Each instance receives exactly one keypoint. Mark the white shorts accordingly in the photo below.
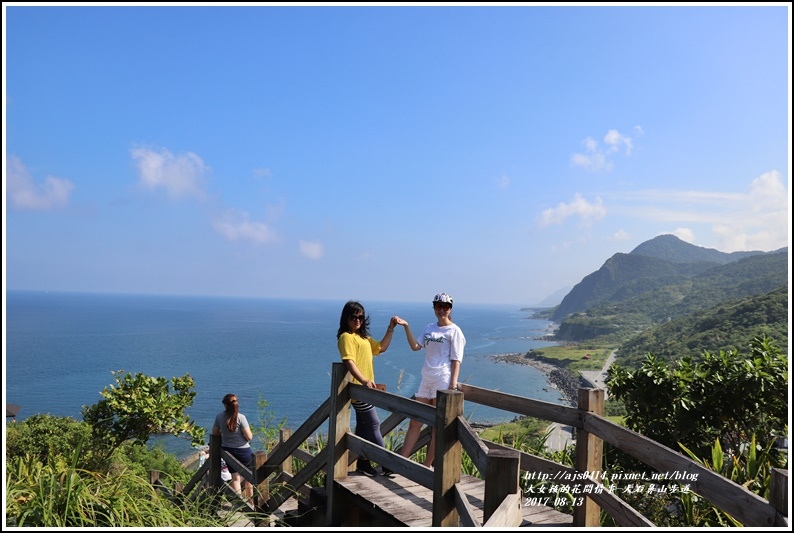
(428, 388)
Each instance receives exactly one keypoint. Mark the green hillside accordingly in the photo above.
(700, 300)
(666, 264)
(731, 325)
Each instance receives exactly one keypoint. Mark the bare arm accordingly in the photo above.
(249, 436)
(384, 344)
(353, 369)
(415, 346)
(453, 380)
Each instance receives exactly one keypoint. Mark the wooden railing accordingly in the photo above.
(500, 466)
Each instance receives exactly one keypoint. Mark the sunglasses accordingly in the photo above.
(442, 306)
(357, 317)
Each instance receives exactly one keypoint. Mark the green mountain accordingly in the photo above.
(660, 262)
(702, 299)
(622, 277)
(671, 248)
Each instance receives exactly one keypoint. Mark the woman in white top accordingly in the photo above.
(443, 342)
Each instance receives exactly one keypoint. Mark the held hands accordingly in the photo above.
(394, 321)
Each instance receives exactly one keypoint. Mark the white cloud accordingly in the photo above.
(26, 194)
(311, 250)
(757, 219)
(761, 221)
(179, 175)
(503, 182)
(620, 235)
(263, 172)
(592, 162)
(615, 140)
(588, 212)
(767, 193)
(236, 226)
(685, 234)
(595, 158)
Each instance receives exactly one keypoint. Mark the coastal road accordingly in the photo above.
(597, 379)
(562, 436)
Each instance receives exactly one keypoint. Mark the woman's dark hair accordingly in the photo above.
(232, 410)
(352, 308)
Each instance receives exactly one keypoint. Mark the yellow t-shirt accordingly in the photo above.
(360, 351)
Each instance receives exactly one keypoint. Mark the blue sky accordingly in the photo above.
(498, 154)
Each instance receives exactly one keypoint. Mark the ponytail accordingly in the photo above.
(232, 410)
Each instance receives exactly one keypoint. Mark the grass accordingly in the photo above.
(572, 356)
(58, 494)
(516, 431)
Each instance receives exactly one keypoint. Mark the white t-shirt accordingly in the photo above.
(442, 344)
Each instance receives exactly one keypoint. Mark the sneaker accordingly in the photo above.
(366, 469)
(386, 472)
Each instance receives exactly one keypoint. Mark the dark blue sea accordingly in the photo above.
(60, 350)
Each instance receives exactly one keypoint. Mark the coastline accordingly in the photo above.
(524, 359)
(559, 436)
(558, 377)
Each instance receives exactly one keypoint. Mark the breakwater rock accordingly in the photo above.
(567, 383)
(561, 379)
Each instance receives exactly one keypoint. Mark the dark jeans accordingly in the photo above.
(367, 423)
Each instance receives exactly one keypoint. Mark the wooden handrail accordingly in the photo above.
(285, 449)
(423, 412)
(450, 503)
(569, 416)
(745, 506)
(622, 512)
(475, 447)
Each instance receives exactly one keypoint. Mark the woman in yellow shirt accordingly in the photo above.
(358, 349)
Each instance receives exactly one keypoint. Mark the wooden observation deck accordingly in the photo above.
(418, 496)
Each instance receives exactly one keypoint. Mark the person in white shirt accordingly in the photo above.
(443, 342)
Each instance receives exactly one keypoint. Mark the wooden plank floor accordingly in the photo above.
(401, 502)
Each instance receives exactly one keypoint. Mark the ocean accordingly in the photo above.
(60, 350)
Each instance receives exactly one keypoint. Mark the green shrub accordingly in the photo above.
(136, 457)
(44, 436)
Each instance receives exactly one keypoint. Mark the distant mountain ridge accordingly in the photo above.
(660, 262)
(671, 248)
(555, 298)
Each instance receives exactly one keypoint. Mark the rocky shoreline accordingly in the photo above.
(561, 379)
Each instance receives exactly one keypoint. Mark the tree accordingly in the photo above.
(269, 427)
(44, 435)
(140, 406)
(728, 396)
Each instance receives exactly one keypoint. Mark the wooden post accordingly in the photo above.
(778, 496)
(589, 457)
(261, 488)
(283, 436)
(215, 461)
(447, 463)
(501, 479)
(338, 426)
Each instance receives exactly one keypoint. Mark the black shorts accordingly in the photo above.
(241, 454)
